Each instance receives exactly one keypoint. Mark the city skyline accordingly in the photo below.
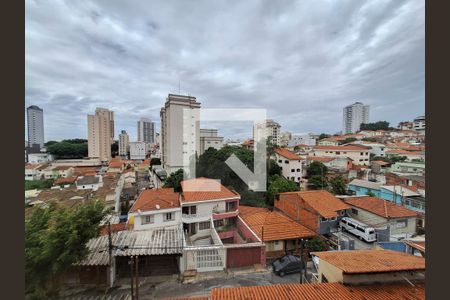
(129, 63)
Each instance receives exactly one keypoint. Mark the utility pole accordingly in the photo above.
(131, 262)
(137, 277)
(301, 261)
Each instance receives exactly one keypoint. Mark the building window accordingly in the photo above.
(292, 170)
(401, 223)
(354, 211)
(218, 223)
(169, 217)
(362, 153)
(276, 243)
(286, 161)
(298, 170)
(338, 152)
(149, 219)
(280, 161)
(204, 225)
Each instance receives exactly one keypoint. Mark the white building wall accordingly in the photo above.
(287, 168)
(35, 125)
(353, 116)
(159, 217)
(359, 157)
(138, 150)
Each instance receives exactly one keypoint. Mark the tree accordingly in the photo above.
(338, 186)
(49, 143)
(369, 139)
(76, 141)
(66, 149)
(38, 184)
(318, 181)
(396, 158)
(315, 244)
(155, 161)
(348, 140)
(278, 185)
(370, 194)
(380, 125)
(316, 168)
(55, 239)
(273, 168)
(380, 158)
(323, 136)
(174, 180)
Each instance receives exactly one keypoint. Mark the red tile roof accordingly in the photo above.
(380, 162)
(372, 261)
(31, 166)
(342, 148)
(323, 202)
(114, 228)
(272, 225)
(419, 245)
(287, 154)
(66, 180)
(320, 158)
(61, 168)
(204, 189)
(152, 199)
(115, 164)
(321, 291)
(380, 207)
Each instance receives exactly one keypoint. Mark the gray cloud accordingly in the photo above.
(302, 60)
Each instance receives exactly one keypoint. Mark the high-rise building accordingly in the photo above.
(272, 130)
(138, 150)
(35, 122)
(100, 134)
(180, 134)
(354, 115)
(419, 124)
(146, 131)
(123, 144)
(209, 139)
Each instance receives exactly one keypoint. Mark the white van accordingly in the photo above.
(359, 229)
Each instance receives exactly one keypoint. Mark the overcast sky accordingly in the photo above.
(301, 60)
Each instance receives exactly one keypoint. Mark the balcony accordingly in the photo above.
(195, 218)
(223, 214)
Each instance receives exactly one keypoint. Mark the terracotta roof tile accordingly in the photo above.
(372, 261)
(419, 245)
(149, 199)
(320, 158)
(276, 225)
(66, 180)
(380, 207)
(114, 228)
(321, 291)
(287, 154)
(204, 189)
(343, 148)
(323, 202)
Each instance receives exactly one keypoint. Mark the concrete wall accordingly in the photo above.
(355, 279)
(358, 158)
(287, 167)
(332, 273)
(159, 217)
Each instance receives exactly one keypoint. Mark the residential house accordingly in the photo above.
(248, 144)
(338, 163)
(280, 234)
(364, 187)
(32, 172)
(359, 267)
(379, 166)
(320, 291)
(400, 221)
(410, 155)
(115, 165)
(291, 164)
(92, 182)
(155, 208)
(409, 167)
(38, 158)
(331, 141)
(360, 155)
(54, 172)
(376, 149)
(158, 175)
(318, 210)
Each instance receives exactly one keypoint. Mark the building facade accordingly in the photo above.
(360, 155)
(146, 131)
(138, 150)
(123, 143)
(419, 123)
(35, 124)
(209, 139)
(100, 134)
(272, 130)
(353, 116)
(174, 149)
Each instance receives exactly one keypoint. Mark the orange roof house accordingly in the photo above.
(273, 225)
(205, 189)
(287, 154)
(372, 261)
(317, 210)
(155, 199)
(321, 291)
(381, 207)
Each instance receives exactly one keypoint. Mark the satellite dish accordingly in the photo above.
(157, 206)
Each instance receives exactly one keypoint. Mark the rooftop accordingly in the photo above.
(272, 225)
(87, 180)
(204, 189)
(322, 291)
(366, 184)
(320, 158)
(287, 154)
(155, 199)
(343, 148)
(372, 261)
(380, 207)
(323, 202)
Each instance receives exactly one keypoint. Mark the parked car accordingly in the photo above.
(286, 265)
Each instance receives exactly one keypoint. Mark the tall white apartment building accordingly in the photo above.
(419, 123)
(146, 131)
(123, 143)
(272, 129)
(138, 150)
(209, 139)
(180, 133)
(100, 134)
(353, 116)
(35, 122)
